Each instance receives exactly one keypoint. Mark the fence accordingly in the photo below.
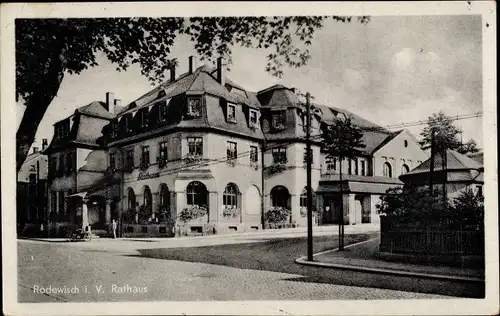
(433, 238)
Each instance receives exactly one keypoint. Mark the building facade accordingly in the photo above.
(201, 154)
(31, 193)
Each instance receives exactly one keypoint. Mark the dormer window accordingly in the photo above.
(279, 120)
(194, 107)
(162, 111)
(253, 118)
(231, 113)
(114, 129)
(144, 119)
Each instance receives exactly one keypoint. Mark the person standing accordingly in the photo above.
(114, 224)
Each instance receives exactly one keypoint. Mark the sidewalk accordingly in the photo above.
(268, 233)
(363, 256)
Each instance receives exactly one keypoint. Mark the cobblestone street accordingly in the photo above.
(228, 268)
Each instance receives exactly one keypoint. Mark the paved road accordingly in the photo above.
(230, 268)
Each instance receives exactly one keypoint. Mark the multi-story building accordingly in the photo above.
(77, 163)
(32, 193)
(200, 152)
(192, 143)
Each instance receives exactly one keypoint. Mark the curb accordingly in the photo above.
(302, 261)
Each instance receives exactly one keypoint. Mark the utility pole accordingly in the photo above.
(309, 192)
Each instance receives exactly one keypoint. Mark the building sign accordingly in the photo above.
(147, 175)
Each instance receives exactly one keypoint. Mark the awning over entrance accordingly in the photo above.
(356, 187)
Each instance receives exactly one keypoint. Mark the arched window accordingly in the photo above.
(405, 169)
(279, 196)
(230, 197)
(147, 198)
(197, 194)
(131, 199)
(164, 196)
(387, 170)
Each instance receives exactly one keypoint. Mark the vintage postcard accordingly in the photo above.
(249, 158)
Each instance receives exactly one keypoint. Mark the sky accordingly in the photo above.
(395, 69)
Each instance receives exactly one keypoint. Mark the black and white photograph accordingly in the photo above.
(249, 158)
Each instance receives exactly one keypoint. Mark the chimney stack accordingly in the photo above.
(221, 76)
(44, 143)
(192, 64)
(110, 101)
(172, 73)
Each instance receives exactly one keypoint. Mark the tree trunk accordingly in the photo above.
(36, 105)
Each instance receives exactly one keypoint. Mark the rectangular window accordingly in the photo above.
(114, 128)
(253, 118)
(112, 162)
(145, 156)
(162, 112)
(144, 118)
(349, 166)
(356, 170)
(231, 150)
(231, 113)
(279, 120)
(279, 155)
(163, 150)
(195, 145)
(331, 165)
(363, 168)
(130, 159)
(194, 107)
(254, 156)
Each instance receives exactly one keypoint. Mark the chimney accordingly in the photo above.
(110, 101)
(35, 150)
(192, 64)
(44, 143)
(172, 73)
(221, 76)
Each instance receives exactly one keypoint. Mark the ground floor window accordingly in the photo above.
(280, 196)
(230, 197)
(196, 194)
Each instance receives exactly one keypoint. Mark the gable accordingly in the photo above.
(403, 144)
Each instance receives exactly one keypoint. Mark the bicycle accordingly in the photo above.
(79, 235)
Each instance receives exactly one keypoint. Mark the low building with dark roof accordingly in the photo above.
(460, 173)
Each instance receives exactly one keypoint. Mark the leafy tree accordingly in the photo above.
(470, 147)
(445, 133)
(341, 140)
(469, 207)
(412, 204)
(47, 49)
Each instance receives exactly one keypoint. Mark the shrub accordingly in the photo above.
(277, 214)
(192, 212)
(129, 215)
(469, 208)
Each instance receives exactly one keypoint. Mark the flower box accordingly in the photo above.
(230, 212)
(192, 159)
(193, 212)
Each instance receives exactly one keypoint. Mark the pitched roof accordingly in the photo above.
(95, 108)
(454, 161)
(202, 80)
